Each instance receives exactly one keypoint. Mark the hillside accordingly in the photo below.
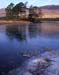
(50, 11)
(50, 7)
(2, 13)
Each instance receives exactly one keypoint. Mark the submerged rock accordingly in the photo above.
(46, 64)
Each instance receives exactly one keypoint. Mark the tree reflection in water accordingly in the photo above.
(34, 30)
(23, 32)
(15, 31)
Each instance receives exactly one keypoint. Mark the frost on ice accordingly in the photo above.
(46, 64)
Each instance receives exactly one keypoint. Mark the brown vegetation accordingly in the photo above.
(13, 22)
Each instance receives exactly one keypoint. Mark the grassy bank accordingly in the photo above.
(14, 22)
(49, 19)
(4, 21)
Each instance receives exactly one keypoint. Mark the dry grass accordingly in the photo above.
(13, 22)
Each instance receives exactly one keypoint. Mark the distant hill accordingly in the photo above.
(50, 11)
(2, 12)
(50, 7)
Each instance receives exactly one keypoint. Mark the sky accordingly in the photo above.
(5, 3)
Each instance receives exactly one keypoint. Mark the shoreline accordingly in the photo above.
(14, 22)
(3, 22)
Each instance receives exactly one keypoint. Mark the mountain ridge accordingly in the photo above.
(50, 7)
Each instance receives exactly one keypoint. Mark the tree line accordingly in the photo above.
(12, 11)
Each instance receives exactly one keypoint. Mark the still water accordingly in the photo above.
(18, 39)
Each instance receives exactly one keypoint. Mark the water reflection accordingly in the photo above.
(16, 32)
(23, 32)
(16, 40)
(34, 29)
